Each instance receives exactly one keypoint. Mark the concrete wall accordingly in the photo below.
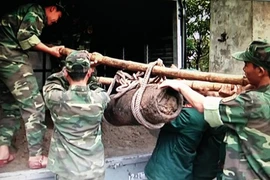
(261, 20)
(241, 21)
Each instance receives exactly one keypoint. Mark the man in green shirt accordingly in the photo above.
(176, 146)
(183, 145)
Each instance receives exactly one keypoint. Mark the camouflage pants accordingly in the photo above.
(20, 98)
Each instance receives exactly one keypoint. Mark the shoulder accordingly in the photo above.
(30, 7)
(246, 99)
(245, 96)
(253, 96)
(33, 9)
(99, 90)
(101, 94)
(57, 78)
(58, 75)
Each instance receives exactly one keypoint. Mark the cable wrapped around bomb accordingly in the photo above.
(139, 101)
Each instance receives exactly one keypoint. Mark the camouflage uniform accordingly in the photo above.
(248, 117)
(19, 31)
(76, 150)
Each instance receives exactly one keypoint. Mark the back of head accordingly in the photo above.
(78, 62)
(258, 53)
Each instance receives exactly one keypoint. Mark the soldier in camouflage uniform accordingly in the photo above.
(76, 107)
(247, 116)
(19, 32)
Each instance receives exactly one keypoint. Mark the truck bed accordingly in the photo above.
(123, 167)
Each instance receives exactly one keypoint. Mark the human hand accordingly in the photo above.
(207, 92)
(227, 90)
(175, 84)
(95, 59)
(230, 89)
(248, 87)
(55, 51)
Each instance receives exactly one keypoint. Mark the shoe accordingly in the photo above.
(38, 163)
(3, 162)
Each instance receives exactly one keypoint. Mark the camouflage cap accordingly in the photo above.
(257, 53)
(81, 58)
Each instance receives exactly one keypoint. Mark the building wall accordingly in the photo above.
(241, 21)
(261, 20)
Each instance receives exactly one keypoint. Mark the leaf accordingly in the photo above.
(198, 33)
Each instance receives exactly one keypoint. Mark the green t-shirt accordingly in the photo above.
(172, 158)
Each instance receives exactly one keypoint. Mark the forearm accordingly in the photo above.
(193, 97)
(42, 47)
(208, 105)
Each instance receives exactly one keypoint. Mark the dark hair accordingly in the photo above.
(78, 73)
(57, 3)
(58, 8)
(256, 66)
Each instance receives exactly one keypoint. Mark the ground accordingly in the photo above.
(118, 141)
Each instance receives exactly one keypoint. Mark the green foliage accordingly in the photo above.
(198, 33)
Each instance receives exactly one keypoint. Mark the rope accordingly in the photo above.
(128, 82)
(137, 97)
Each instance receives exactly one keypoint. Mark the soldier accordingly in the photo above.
(19, 32)
(247, 116)
(76, 150)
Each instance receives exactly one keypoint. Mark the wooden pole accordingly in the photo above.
(196, 85)
(164, 71)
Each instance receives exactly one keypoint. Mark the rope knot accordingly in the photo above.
(159, 62)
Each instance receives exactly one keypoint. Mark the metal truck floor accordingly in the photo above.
(117, 168)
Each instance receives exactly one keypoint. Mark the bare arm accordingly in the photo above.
(193, 97)
(54, 51)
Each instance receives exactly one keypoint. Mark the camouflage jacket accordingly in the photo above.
(19, 31)
(76, 150)
(248, 139)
